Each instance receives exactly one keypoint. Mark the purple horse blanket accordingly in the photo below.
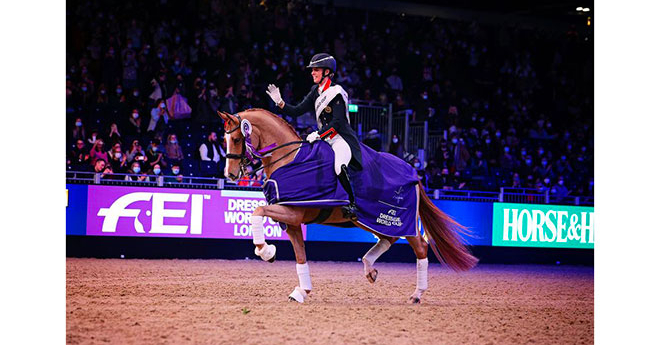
(384, 189)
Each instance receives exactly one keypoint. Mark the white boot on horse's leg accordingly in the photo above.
(371, 256)
(267, 252)
(298, 295)
(305, 283)
(422, 281)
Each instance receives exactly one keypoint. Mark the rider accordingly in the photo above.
(329, 101)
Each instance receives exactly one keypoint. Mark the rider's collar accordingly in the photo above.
(324, 85)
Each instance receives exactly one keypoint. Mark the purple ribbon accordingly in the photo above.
(252, 153)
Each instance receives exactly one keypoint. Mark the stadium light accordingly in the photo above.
(586, 9)
(579, 9)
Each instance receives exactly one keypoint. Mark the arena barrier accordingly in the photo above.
(102, 210)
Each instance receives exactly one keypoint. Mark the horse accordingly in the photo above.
(265, 130)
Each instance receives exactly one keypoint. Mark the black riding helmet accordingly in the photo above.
(323, 60)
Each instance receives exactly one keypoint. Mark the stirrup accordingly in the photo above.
(349, 211)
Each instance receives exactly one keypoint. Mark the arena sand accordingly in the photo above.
(245, 302)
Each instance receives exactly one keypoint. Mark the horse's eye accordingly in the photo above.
(236, 140)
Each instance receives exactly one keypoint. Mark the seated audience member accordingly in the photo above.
(174, 174)
(79, 157)
(135, 124)
(173, 151)
(156, 170)
(136, 169)
(155, 154)
(97, 152)
(116, 158)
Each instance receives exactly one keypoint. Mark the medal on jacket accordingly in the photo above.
(327, 109)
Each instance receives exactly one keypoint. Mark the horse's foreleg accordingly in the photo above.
(302, 268)
(284, 214)
(420, 247)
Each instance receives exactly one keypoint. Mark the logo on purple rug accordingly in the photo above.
(169, 212)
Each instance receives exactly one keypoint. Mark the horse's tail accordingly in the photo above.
(443, 235)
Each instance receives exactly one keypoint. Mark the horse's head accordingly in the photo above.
(237, 155)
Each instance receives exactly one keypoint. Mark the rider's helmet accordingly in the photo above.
(323, 60)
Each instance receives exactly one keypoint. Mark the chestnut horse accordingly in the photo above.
(267, 130)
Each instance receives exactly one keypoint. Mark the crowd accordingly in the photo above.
(516, 103)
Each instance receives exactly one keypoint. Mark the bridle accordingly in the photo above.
(249, 156)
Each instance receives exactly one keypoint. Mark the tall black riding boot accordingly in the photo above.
(349, 211)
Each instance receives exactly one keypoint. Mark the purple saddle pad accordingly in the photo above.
(384, 189)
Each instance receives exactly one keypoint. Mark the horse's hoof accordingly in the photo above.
(372, 276)
(291, 299)
(414, 300)
(272, 259)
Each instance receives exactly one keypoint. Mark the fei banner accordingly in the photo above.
(552, 226)
(173, 212)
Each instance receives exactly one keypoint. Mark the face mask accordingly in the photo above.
(523, 152)
(541, 152)
(103, 92)
(156, 171)
(546, 181)
(506, 149)
(160, 56)
(136, 115)
(172, 141)
(425, 97)
(175, 171)
(78, 123)
(487, 141)
(395, 140)
(117, 155)
(84, 89)
(498, 134)
(177, 62)
(135, 94)
(136, 169)
(162, 105)
(482, 119)
(474, 118)
(119, 91)
(563, 158)
(544, 163)
(454, 141)
(561, 182)
(416, 165)
(528, 161)
(154, 148)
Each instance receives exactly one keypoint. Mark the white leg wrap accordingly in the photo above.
(374, 253)
(298, 294)
(266, 253)
(257, 224)
(303, 276)
(422, 274)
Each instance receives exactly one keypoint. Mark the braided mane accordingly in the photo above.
(283, 121)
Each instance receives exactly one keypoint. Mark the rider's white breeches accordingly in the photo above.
(342, 152)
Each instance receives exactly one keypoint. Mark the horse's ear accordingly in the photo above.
(223, 115)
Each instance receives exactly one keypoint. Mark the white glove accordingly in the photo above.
(312, 137)
(274, 93)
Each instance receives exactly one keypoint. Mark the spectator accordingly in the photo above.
(173, 151)
(158, 112)
(92, 139)
(135, 153)
(136, 170)
(396, 148)
(78, 131)
(113, 136)
(174, 175)
(209, 150)
(97, 152)
(135, 123)
(559, 190)
(156, 170)
(79, 157)
(155, 154)
(116, 158)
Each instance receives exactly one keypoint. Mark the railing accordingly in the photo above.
(513, 195)
(372, 116)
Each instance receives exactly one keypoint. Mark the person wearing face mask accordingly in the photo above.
(135, 123)
(78, 131)
(396, 147)
(156, 170)
(116, 158)
(173, 151)
(460, 154)
(559, 190)
(422, 106)
(478, 164)
(137, 170)
(159, 117)
(155, 154)
(545, 169)
(78, 158)
(174, 175)
(329, 101)
(114, 136)
(135, 152)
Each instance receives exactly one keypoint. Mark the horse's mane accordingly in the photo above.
(283, 121)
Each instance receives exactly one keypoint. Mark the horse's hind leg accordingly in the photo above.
(369, 259)
(302, 268)
(420, 247)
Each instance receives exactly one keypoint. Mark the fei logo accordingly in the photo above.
(158, 212)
